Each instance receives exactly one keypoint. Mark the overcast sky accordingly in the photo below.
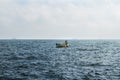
(83, 19)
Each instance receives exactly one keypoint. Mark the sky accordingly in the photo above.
(48, 19)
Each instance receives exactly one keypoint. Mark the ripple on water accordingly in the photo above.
(40, 60)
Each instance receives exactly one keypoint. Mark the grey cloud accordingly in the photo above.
(59, 18)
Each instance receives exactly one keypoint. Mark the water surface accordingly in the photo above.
(41, 60)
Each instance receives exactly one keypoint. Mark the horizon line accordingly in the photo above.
(59, 38)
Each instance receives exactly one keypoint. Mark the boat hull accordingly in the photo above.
(61, 45)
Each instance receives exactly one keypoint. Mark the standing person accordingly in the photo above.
(66, 43)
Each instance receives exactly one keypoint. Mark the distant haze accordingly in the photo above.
(74, 19)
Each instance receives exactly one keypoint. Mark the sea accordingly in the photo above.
(41, 60)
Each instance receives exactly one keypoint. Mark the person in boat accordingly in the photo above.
(66, 43)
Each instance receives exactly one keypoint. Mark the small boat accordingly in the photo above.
(60, 45)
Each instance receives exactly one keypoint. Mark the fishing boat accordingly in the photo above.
(60, 45)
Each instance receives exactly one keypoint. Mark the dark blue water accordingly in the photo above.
(41, 60)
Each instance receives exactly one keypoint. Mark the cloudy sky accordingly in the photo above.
(83, 19)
